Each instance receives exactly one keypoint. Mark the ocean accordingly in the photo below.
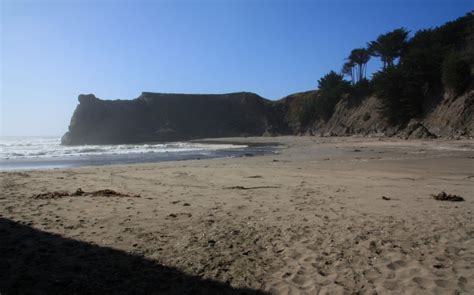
(41, 152)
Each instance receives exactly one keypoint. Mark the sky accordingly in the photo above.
(52, 50)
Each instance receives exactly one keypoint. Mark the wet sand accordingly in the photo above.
(325, 215)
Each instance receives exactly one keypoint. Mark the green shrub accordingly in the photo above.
(388, 85)
(361, 89)
(456, 73)
(307, 111)
(331, 88)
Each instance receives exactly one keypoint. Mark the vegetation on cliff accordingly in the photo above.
(416, 72)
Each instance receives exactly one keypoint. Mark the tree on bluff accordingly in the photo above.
(348, 70)
(357, 63)
(389, 46)
(331, 88)
(456, 73)
(389, 88)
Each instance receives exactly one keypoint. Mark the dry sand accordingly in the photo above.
(310, 219)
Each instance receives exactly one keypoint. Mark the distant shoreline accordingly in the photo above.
(78, 160)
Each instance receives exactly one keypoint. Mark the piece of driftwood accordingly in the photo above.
(442, 196)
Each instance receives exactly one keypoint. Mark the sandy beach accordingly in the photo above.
(319, 216)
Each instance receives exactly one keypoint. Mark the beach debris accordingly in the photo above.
(235, 232)
(386, 198)
(442, 196)
(211, 242)
(239, 187)
(175, 215)
(79, 192)
(21, 174)
(51, 195)
(108, 193)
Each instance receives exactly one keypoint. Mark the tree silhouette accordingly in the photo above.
(359, 57)
(348, 70)
(331, 88)
(389, 46)
(456, 73)
(332, 82)
(389, 88)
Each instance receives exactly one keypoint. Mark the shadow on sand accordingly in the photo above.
(36, 262)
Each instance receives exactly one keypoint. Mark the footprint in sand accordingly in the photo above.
(396, 265)
(442, 283)
(422, 283)
(391, 285)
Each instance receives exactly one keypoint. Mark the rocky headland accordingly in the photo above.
(160, 117)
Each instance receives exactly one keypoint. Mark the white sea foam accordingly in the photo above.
(50, 147)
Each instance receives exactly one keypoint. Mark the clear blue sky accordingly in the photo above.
(51, 51)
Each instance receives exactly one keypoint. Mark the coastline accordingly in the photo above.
(310, 218)
(209, 150)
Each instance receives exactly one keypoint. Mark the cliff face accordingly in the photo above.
(155, 117)
(450, 116)
(355, 117)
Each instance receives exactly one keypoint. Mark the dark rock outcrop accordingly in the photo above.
(416, 130)
(158, 117)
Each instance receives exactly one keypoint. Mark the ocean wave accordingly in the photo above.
(37, 147)
(90, 150)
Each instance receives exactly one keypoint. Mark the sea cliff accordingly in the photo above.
(160, 117)
(157, 117)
